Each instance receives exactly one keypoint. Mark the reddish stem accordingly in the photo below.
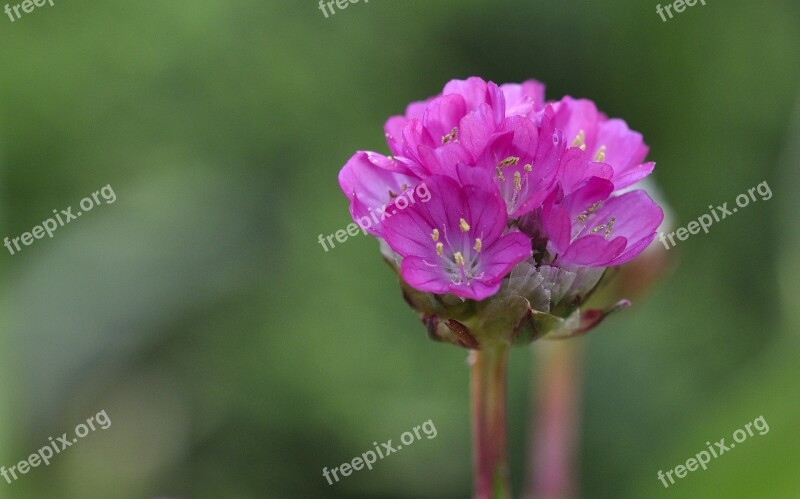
(554, 428)
(490, 453)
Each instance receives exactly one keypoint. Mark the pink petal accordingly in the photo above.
(499, 258)
(595, 251)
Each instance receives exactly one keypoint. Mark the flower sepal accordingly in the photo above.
(508, 317)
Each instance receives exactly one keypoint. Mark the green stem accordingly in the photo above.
(490, 452)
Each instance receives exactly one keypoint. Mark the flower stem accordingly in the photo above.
(489, 448)
(555, 425)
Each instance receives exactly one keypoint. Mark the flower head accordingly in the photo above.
(526, 208)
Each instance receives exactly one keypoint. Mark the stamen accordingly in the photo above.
(478, 244)
(435, 234)
(610, 227)
(601, 155)
(463, 225)
(580, 140)
(439, 249)
(392, 194)
(459, 258)
(583, 216)
(450, 136)
(598, 229)
(509, 161)
(517, 181)
(500, 174)
(529, 167)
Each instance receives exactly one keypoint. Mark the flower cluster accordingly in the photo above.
(530, 200)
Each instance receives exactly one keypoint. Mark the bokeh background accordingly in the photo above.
(236, 358)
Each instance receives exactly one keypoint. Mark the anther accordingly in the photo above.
(509, 161)
(450, 136)
(601, 155)
(580, 140)
(439, 249)
(610, 227)
(583, 216)
(459, 258)
(463, 225)
(478, 244)
(435, 234)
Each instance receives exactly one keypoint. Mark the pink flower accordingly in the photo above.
(585, 225)
(371, 181)
(608, 141)
(436, 122)
(519, 158)
(496, 159)
(457, 243)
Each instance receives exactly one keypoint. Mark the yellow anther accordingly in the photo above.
(529, 167)
(598, 229)
(580, 140)
(517, 181)
(463, 225)
(439, 249)
(610, 227)
(458, 257)
(601, 154)
(509, 161)
(450, 136)
(435, 234)
(500, 174)
(478, 244)
(583, 216)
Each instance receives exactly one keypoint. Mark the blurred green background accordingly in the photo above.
(235, 358)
